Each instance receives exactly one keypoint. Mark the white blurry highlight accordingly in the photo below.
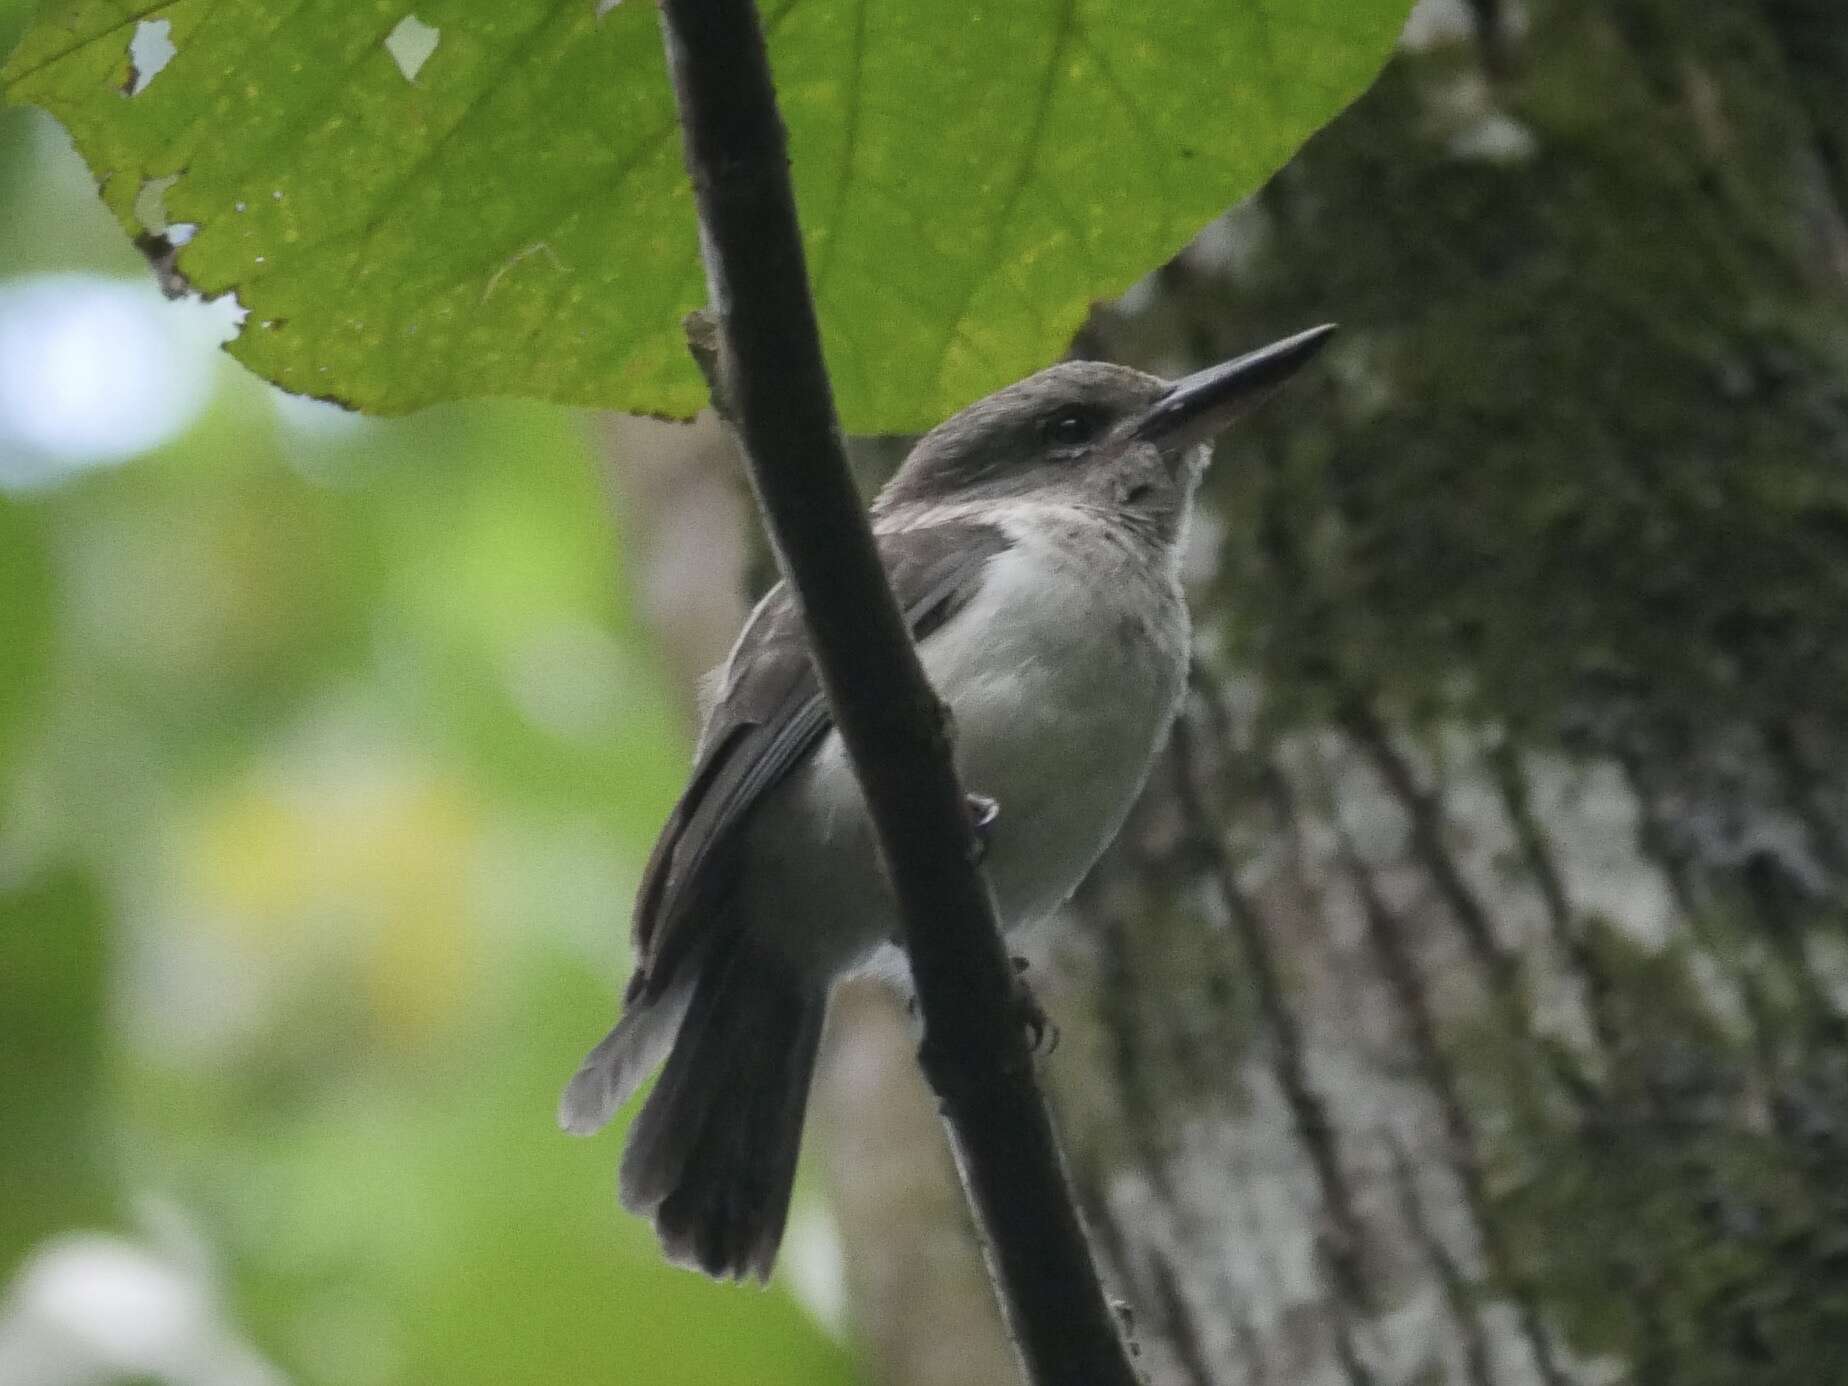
(89, 1308)
(96, 370)
(815, 1267)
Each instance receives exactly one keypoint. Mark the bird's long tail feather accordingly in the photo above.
(622, 1061)
(712, 1155)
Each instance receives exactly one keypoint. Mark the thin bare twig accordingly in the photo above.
(775, 387)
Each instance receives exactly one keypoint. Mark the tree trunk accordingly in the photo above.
(1465, 1002)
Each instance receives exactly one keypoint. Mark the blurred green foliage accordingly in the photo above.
(329, 751)
(52, 955)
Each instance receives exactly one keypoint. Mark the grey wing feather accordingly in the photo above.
(768, 717)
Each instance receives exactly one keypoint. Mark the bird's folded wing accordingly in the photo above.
(769, 716)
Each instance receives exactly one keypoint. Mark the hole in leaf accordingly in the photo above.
(410, 44)
(149, 52)
(605, 6)
(160, 240)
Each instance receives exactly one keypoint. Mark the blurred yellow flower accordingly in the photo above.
(368, 869)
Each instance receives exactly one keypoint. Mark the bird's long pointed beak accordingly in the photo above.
(1199, 406)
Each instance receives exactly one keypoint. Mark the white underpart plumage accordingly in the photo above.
(1062, 673)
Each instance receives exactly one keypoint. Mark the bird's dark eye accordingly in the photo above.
(1071, 429)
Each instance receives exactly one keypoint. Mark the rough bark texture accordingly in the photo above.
(1465, 1002)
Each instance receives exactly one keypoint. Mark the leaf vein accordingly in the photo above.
(1017, 185)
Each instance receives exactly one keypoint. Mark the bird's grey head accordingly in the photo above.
(1094, 434)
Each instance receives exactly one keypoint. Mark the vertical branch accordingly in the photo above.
(774, 384)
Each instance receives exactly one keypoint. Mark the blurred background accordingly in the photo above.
(1466, 1001)
(329, 751)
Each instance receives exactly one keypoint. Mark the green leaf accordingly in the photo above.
(25, 623)
(513, 217)
(52, 960)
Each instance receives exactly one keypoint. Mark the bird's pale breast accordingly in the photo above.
(1062, 674)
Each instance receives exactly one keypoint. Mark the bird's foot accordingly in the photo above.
(984, 813)
(1042, 1033)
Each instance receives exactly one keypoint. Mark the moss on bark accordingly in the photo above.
(1577, 480)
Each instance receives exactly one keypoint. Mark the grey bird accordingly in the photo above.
(1033, 541)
